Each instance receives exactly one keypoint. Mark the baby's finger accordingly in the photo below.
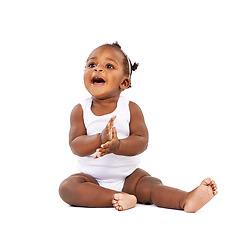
(110, 134)
(100, 154)
(105, 145)
(102, 150)
(114, 133)
(113, 118)
(97, 155)
(111, 121)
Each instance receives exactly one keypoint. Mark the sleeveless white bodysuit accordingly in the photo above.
(110, 170)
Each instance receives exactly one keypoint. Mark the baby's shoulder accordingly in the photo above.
(77, 112)
(133, 106)
(77, 108)
(135, 110)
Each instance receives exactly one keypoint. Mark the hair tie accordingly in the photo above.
(129, 67)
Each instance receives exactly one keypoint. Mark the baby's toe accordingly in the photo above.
(214, 186)
(117, 207)
(120, 208)
(213, 183)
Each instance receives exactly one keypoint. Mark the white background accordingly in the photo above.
(187, 85)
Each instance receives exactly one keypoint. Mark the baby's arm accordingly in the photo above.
(81, 144)
(135, 144)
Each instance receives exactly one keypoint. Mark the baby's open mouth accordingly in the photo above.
(97, 81)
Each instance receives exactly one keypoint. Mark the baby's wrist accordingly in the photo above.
(100, 138)
(103, 137)
(117, 148)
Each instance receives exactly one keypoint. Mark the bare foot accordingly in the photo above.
(123, 201)
(201, 195)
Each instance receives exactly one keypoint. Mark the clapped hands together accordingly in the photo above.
(109, 140)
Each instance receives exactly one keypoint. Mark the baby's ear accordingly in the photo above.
(125, 83)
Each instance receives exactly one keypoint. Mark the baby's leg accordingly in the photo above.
(168, 197)
(150, 190)
(83, 190)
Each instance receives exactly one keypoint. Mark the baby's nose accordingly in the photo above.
(98, 68)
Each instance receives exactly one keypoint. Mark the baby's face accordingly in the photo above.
(104, 73)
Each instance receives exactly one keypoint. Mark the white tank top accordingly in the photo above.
(110, 167)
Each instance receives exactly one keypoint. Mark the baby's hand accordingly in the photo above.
(110, 146)
(106, 134)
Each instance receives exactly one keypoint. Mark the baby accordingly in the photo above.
(107, 133)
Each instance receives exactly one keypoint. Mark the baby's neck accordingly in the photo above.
(104, 106)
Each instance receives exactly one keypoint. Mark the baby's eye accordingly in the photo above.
(110, 66)
(91, 65)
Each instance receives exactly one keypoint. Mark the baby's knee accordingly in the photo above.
(69, 188)
(146, 187)
(63, 190)
(66, 189)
